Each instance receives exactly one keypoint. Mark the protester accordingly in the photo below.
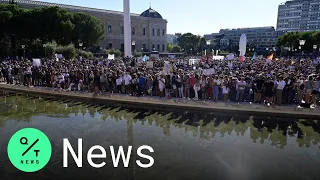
(281, 81)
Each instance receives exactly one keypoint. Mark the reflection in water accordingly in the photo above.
(188, 145)
(205, 125)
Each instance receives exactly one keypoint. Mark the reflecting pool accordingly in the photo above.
(187, 145)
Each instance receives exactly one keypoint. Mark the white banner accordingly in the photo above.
(36, 62)
(150, 64)
(208, 72)
(218, 57)
(230, 56)
(111, 56)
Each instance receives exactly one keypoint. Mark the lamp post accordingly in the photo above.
(302, 43)
(208, 44)
(133, 43)
(80, 45)
(24, 50)
(267, 50)
(45, 50)
(315, 47)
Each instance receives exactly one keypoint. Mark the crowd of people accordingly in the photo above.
(281, 81)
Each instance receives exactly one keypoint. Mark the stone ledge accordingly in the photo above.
(171, 103)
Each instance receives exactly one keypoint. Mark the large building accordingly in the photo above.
(148, 29)
(299, 15)
(259, 38)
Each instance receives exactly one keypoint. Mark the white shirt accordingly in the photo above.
(118, 81)
(162, 83)
(127, 79)
(242, 84)
(281, 84)
(217, 81)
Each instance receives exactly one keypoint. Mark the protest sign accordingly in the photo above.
(208, 72)
(36, 62)
(150, 64)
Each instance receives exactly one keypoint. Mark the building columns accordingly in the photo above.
(127, 28)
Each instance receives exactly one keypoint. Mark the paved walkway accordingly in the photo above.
(182, 104)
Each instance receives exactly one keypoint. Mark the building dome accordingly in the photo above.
(150, 13)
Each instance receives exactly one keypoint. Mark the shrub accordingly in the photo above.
(68, 52)
(85, 54)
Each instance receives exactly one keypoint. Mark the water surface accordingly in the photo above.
(187, 145)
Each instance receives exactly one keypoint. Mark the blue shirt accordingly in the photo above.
(142, 82)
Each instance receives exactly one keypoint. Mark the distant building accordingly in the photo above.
(259, 38)
(148, 30)
(299, 15)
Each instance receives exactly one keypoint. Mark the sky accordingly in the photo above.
(198, 17)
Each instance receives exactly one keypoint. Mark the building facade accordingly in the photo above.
(299, 15)
(148, 29)
(258, 38)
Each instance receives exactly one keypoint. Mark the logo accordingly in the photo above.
(29, 150)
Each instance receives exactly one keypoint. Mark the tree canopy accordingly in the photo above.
(192, 43)
(291, 39)
(21, 26)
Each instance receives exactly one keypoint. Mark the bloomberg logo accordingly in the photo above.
(67, 147)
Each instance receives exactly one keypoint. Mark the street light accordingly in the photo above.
(315, 47)
(302, 42)
(133, 43)
(80, 44)
(24, 50)
(45, 50)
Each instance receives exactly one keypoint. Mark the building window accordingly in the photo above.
(158, 47)
(110, 45)
(162, 47)
(121, 30)
(144, 31)
(163, 32)
(158, 32)
(109, 28)
(133, 30)
(153, 32)
(152, 47)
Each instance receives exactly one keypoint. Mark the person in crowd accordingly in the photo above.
(241, 85)
(269, 91)
(293, 82)
(309, 88)
(258, 89)
(279, 92)
(162, 85)
(315, 92)
(216, 85)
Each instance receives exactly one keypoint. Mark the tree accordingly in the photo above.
(175, 49)
(189, 42)
(44, 25)
(88, 29)
(291, 39)
(169, 47)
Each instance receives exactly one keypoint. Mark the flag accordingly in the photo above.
(145, 58)
(254, 56)
(241, 58)
(270, 57)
